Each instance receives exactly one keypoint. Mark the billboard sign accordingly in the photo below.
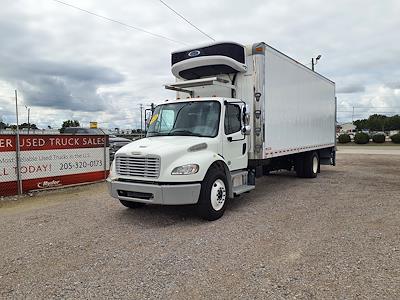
(48, 161)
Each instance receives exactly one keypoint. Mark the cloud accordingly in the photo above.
(393, 85)
(350, 89)
(62, 85)
(67, 64)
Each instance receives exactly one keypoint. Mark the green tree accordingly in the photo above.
(377, 122)
(361, 124)
(69, 123)
(393, 123)
(395, 138)
(361, 138)
(344, 138)
(26, 125)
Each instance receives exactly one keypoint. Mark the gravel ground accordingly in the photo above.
(370, 149)
(334, 237)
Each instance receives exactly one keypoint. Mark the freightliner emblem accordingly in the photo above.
(194, 53)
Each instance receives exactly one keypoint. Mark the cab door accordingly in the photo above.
(234, 142)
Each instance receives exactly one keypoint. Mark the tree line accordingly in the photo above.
(65, 124)
(21, 126)
(378, 122)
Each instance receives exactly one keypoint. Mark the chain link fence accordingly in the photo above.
(30, 162)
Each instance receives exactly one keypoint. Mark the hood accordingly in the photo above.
(162, 145)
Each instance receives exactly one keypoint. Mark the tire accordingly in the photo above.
(213, 195)
(311, 165)
(131, 204)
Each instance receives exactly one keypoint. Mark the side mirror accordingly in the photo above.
(245, 115)
(246, 128)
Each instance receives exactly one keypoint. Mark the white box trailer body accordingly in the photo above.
(240, 112)
(300, 108)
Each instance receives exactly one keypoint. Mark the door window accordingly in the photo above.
(232, 122)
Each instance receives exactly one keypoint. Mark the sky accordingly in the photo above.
(66, 64)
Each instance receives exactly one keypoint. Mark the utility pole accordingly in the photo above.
(352, 116)
(29, 123)
(17, 148)
(146, 113)
(141, 119)
(315, 61)
(29, 111)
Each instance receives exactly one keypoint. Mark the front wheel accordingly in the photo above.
(213, 195)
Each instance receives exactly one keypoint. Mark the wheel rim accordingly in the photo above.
(218, 194)
(315, 164)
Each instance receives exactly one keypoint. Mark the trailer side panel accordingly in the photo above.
(299, 107)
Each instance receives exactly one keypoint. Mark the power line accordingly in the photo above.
(370, 106)
(120, 23)
(187, 21)
(368, 112)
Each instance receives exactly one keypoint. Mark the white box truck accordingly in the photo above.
(240, 112)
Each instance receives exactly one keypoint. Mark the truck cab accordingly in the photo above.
(187, 141)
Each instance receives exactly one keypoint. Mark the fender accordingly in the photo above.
(222, 164)
(205, 159)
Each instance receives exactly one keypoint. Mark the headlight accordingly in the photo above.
(185, 170)
(111, 174)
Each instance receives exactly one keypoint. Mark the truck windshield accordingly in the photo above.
(199, 118)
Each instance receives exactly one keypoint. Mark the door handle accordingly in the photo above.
(230, 139)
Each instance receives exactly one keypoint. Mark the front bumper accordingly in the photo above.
(155, 194)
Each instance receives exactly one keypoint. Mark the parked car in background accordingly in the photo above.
(115, 142)
(81, 130)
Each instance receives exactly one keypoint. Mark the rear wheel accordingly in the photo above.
(213, 195)
(311, 165)
(131, 204)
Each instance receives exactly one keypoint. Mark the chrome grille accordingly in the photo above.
(142, 166)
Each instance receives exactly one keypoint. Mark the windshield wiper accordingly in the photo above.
(184, 132)
(156, 133)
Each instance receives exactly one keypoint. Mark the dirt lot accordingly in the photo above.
(335, 237)
(391, 149)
